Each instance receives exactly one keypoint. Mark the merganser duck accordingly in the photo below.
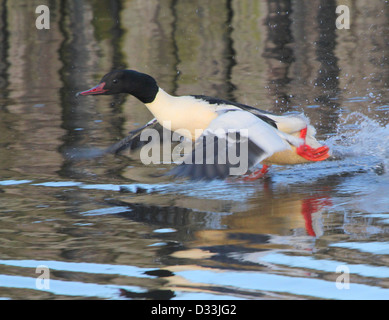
(271, 139)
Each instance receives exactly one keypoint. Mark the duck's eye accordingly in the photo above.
(114, 81)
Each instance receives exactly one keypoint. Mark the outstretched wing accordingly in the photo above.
(132, 141)
(233, 143)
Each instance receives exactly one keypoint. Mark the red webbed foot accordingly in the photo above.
(312, 154)
(257, 174)
(309, 153)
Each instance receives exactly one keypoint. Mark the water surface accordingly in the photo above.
(106, 228)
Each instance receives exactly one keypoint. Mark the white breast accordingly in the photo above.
(185, 114)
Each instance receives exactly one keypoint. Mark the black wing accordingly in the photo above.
(132, 141)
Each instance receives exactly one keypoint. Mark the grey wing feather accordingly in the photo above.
(217, 161)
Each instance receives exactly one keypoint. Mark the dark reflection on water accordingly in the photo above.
(107, 228)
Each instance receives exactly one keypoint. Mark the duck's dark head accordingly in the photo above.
(140, 85)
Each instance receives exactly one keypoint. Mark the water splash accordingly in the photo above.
(363, 141)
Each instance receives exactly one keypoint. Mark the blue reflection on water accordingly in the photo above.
(371, 247)
(68, 288)
(129, 271)
(310, 262)
(279, 283)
